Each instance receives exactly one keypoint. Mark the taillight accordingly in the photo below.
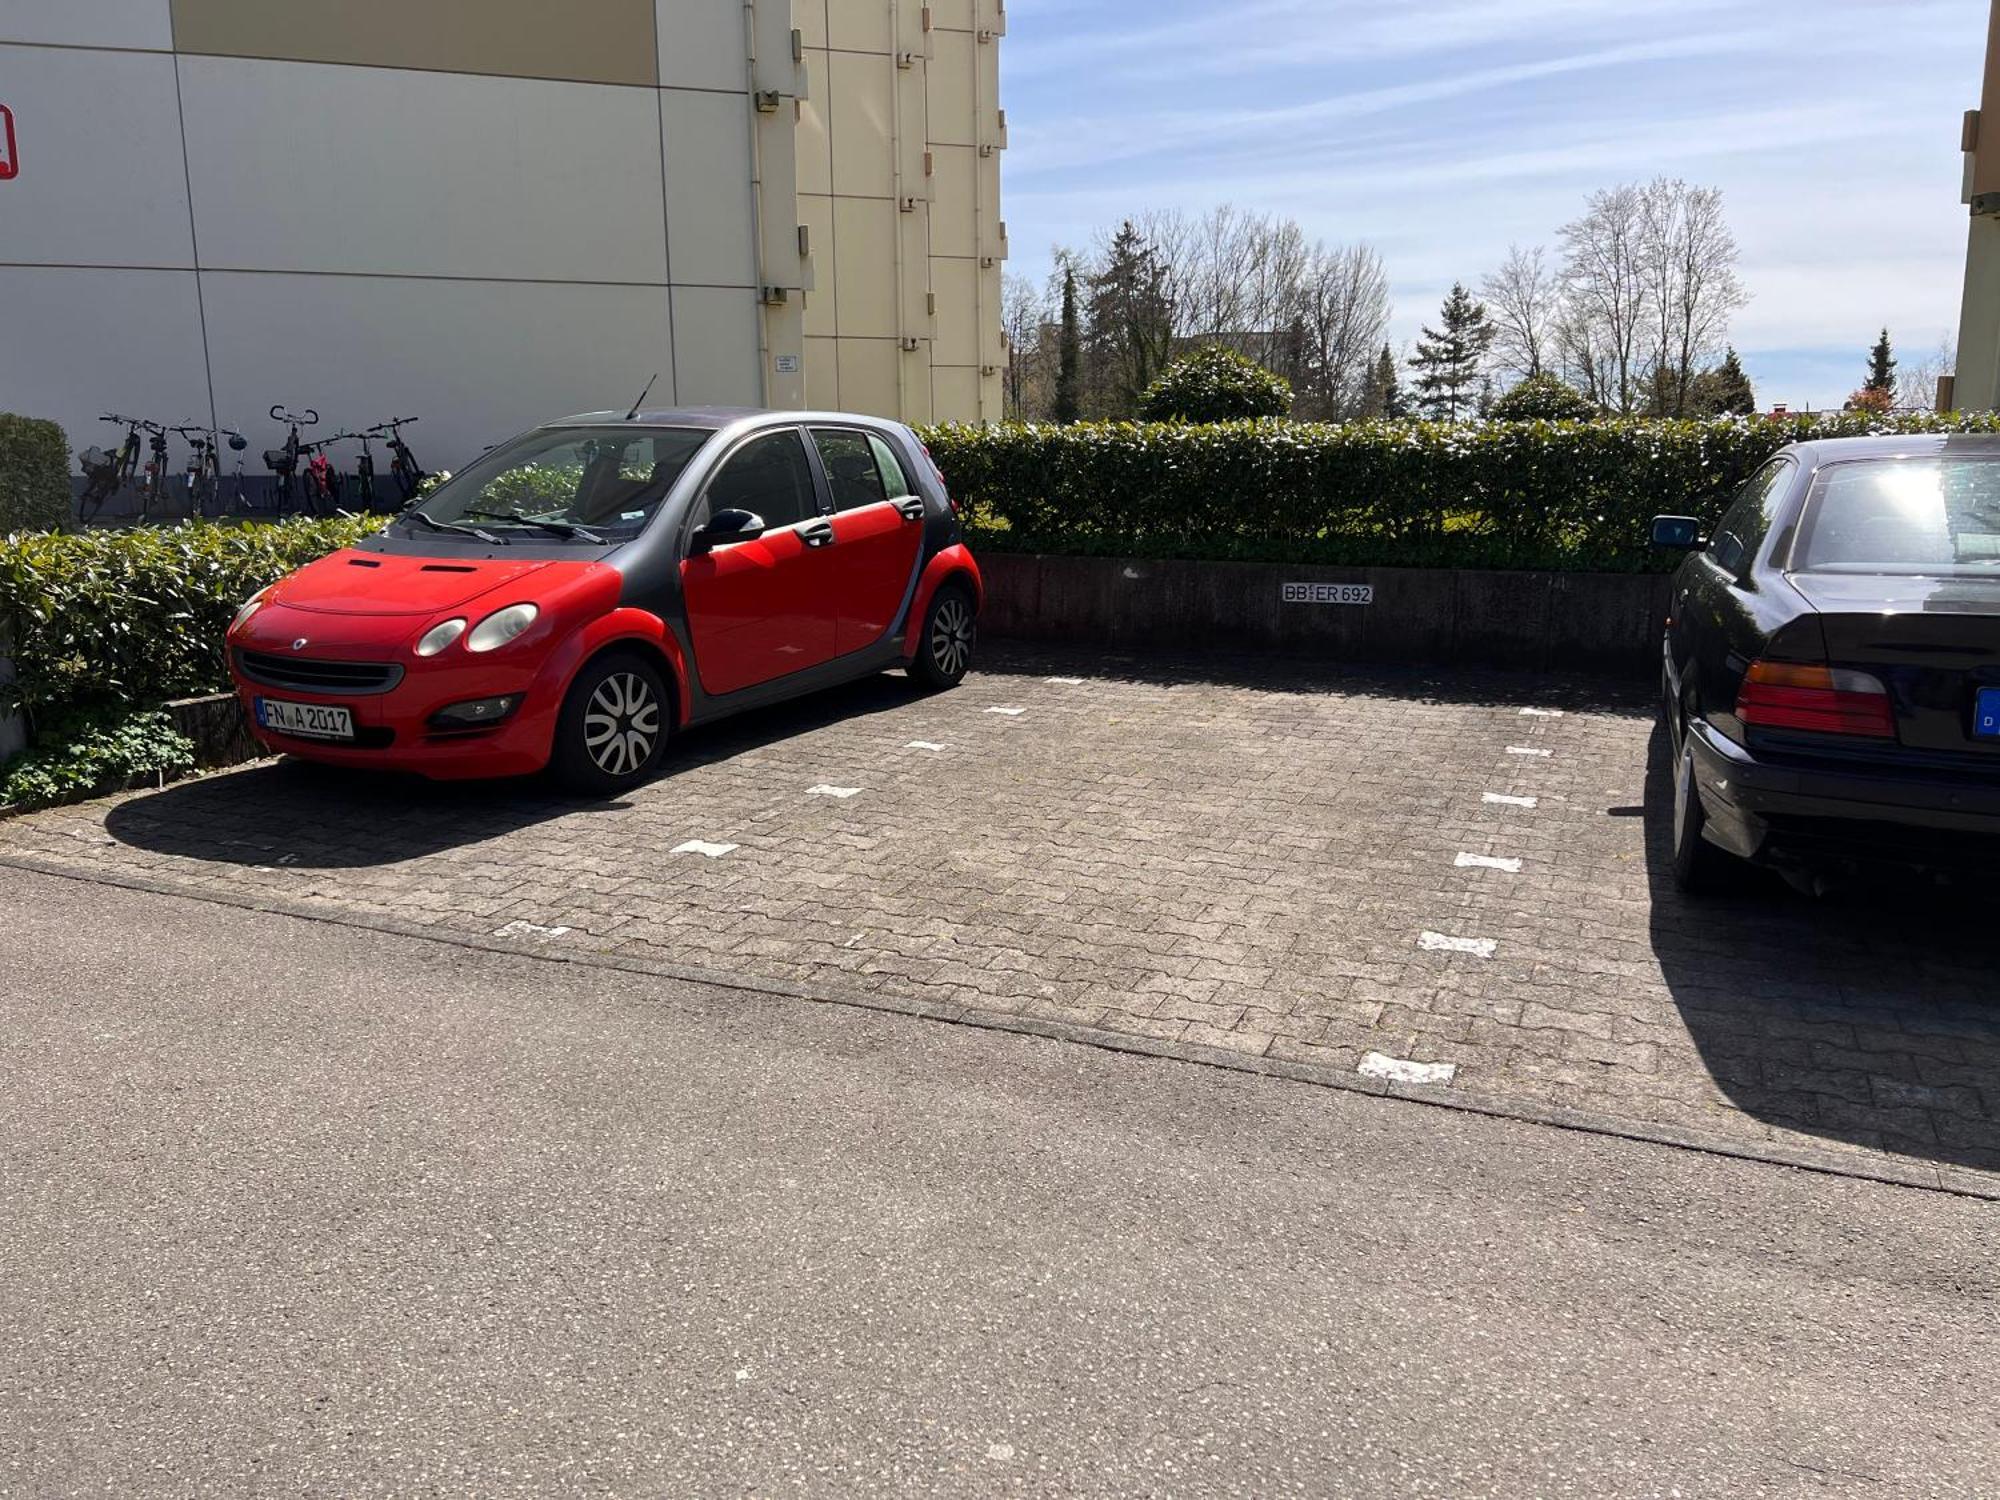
(1826, 700)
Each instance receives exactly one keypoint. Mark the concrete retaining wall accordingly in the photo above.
(1599, 622)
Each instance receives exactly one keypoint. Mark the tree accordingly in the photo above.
(1384, 395)
(1339, 309)
(1067, 405)
(1131, 320)
(1605, 289)
(1447, 358)
(1872, 399)
(1881, 369)
(1525, 296)
(1543, 398)
(1024, 315)
(1214, 384)
(1688, 269)
(1917, 382)
(1722, 391)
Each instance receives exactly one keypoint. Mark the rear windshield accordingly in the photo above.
(607, 480)
(1903, 515)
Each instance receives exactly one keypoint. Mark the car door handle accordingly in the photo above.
(912, 508)
(817, 533)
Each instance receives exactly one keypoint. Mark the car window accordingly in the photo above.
(769, 476)
(608, 480)
(851, 471)
(1744, 526)
(893, 477)
(1903, 514)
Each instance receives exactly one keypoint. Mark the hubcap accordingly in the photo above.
(951, 637)
(621, 724)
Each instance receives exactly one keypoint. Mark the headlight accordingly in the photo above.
(249, 607)
(500, 627)
(440, 636)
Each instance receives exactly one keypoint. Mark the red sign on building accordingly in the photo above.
(10, 163)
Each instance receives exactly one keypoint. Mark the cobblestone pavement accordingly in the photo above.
(1357, 870)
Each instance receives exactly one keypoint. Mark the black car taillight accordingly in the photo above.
(1824, 700)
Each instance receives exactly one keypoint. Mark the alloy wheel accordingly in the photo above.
(621, 724)
(951, 637)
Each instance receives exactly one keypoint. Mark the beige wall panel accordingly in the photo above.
(78, 342)
(948, 89)
(864, 266)
(992, 341)
(860, 25)
(817, 215)
(815, 147)
(145, 24)
(953, 198)
(100, 160)
(701, 45)
(954, 394)
(600, 41)
(868, 377)
(716, 334)
(861, 115)
(822, 362)
(707, 145)
(989, 207)
(810, 17)
(918, 407)
(916, 233)
(477, 360)
(439, 174)
(956, 15)
(957, 328)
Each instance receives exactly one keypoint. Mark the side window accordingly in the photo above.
(768, 475)
(1744, 527)
(850, 468)
(892, 469)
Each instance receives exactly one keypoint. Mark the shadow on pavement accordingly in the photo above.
(1867, 1016)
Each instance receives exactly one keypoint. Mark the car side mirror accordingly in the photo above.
(726, 526)
(1682, 533)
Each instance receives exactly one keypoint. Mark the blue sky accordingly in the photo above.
(1441, 130)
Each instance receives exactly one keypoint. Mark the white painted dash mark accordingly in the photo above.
(1438, 942)
(923, 745)
(823, 790)
(1488, 862)
(1398, 1070)
(529, 929)
(1065, 681)
(1542, 713)
(1010, 712)
(1527, 750)
(1501, 799)
(702, 846)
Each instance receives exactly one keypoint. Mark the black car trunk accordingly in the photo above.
(1933, 641)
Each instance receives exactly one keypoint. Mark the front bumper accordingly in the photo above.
(1779, 814)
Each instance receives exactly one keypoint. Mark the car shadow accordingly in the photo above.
(1864, 1015)
(305, 816)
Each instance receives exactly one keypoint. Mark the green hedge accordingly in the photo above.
(106, 622)
(34, 474)
(1569, 495)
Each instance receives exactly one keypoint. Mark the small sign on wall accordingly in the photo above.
(786, 364)
(1326, 593)
(10, 161)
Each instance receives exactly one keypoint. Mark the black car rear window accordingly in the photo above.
(1903, 515)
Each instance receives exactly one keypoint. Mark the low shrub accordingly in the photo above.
(1543, 398)
(34, 475)
(81, 757)
(1214, 384)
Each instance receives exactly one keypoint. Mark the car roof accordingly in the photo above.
(713, 417)
(1817, 451)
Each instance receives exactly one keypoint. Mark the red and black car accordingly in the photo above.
(580, 593)
(1832, 663)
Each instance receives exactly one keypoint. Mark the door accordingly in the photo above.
(1720, 621)
(879, 523)
(761, 609)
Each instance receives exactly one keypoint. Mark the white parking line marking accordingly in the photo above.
(1542, 713)
(1011, 712)
(1501, 799)
(1065, 681)
(1488, 862)
(1399, 1070)
(702, 846)
(923, 745)
(1437, 942)
(529, 929)
(1527, 750)
(823, 790)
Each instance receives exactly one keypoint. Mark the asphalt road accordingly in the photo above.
(292, 1208)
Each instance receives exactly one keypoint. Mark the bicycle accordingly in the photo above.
(154, 485)
(106, 474)
(402, 462)
(364, 467)
(322, 480)
(284, 462)
(204, 470)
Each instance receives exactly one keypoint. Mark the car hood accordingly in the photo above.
(380, 583)
(1897, 594)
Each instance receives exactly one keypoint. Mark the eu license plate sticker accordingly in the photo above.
(317, 721)
(1986, 714)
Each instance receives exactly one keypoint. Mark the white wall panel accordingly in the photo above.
(477, 361)
(89, 23)
(99, 153)
(313, 167)
(716, 333)
(707, 144)
(78, 342)
(701, 44)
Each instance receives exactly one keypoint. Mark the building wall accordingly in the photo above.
(482, 212)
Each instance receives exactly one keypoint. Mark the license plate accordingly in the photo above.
(314, 721)
(1986, 714)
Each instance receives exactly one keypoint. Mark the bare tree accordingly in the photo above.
(1525, 299)
(1916, 379)
(1024, 316)
(1605, 285)
(1687, 261)
(1340, 312)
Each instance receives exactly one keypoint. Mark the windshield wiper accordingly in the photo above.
(454, 527)
(560, 528)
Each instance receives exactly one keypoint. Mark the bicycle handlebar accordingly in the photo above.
(307, 418)
(139, 422)
(392, 424)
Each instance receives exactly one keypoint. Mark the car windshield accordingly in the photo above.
(592, 482)
(1903, 515)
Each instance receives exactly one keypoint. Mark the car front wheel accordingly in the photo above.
(1700, 869)
(950, 635)
(613, 727)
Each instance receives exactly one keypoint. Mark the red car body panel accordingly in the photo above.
(877, 549)
(952, 562)
(760, 609)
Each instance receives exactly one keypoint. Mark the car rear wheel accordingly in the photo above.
(613, 727)
(1700, 869)
(950, 635)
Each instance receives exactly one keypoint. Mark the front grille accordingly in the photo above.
(308, 674)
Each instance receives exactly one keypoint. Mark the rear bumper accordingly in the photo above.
(1779, 813)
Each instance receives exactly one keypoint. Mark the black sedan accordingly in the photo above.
(1832, 664)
